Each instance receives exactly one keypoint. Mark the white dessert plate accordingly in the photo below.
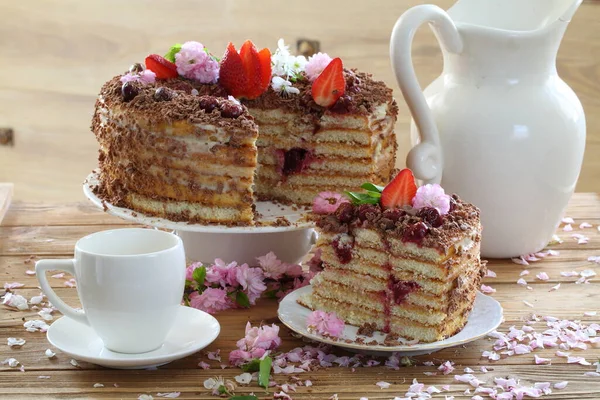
(485, 318)
(192, 331)
(269, 212)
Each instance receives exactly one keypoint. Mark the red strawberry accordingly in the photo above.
(232, 75)
(400, 191)
(247, 73)
(330, 85)
(264, 57)
(163, 68)
(251, 63)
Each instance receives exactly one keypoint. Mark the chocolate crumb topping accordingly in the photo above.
(178, 99)
(363, 94)
(423, 228)
(367, 329)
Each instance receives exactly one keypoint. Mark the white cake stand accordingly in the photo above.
(239, 243)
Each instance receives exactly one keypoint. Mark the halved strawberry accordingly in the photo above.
(163, 68)
(400, 191)
(247, 73)
(232, 75)
(330, 85)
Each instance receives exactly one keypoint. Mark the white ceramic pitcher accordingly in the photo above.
(498, 127)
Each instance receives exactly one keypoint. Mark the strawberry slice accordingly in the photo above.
(251, 63)
(330, 85)
(400, 191)
(232, 74)
(264, 57)
(163, 68)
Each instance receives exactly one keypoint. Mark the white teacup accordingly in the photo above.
(130, 283)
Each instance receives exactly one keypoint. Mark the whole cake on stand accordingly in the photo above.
(175, 141)
(204, 142)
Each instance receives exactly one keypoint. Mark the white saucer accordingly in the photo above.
(193, 330)
(485, 318)
(269, 212)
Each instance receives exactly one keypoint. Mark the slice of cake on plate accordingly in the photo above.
(191, 138)
(402, 260)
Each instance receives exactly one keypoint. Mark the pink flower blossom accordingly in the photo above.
(316, 64)
(272, 267)
(328, 202)
(432, 195)
(325, 323)
(222, 274)
(211, 300)
(145, 77)
(194, 62)
(251, 280)
(189, 271)
(265, 337)
(293, 270)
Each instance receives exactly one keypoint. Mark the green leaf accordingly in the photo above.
(376, 195)
(176, 48)
(270, 294)
(372, 188)
(247, 397)
(199, 275)
(252, 366)
(362, 198)
(242, 299)
(264, 372)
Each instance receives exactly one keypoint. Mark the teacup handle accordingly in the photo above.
(62, 265)
(425, 159)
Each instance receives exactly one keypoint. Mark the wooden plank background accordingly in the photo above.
(57, 53)
(31, 231)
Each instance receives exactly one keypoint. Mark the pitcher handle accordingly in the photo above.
(425, 159)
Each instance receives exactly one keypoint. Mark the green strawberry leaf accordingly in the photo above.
(265, 372)
(176, 48)
(372, 188)
(242, 299)
(252, 366)
(199, 275)
(362, 198)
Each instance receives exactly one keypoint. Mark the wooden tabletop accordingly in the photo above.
(56, 54)
(33, 231)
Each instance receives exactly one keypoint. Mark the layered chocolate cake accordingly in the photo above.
(192, 138)
(406, 264)
(169, 153)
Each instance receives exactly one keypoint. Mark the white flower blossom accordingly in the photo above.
(285, 64)
(283, 86)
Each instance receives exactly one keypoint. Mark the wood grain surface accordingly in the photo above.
(33, 231)
(6, 193)
(57, 53)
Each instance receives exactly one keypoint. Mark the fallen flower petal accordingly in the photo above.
(16, 342)
(487, 289)
(383, 385)
(561, 385)
(584, 225)
(540, 360)
(542, 276)
(555, 287)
